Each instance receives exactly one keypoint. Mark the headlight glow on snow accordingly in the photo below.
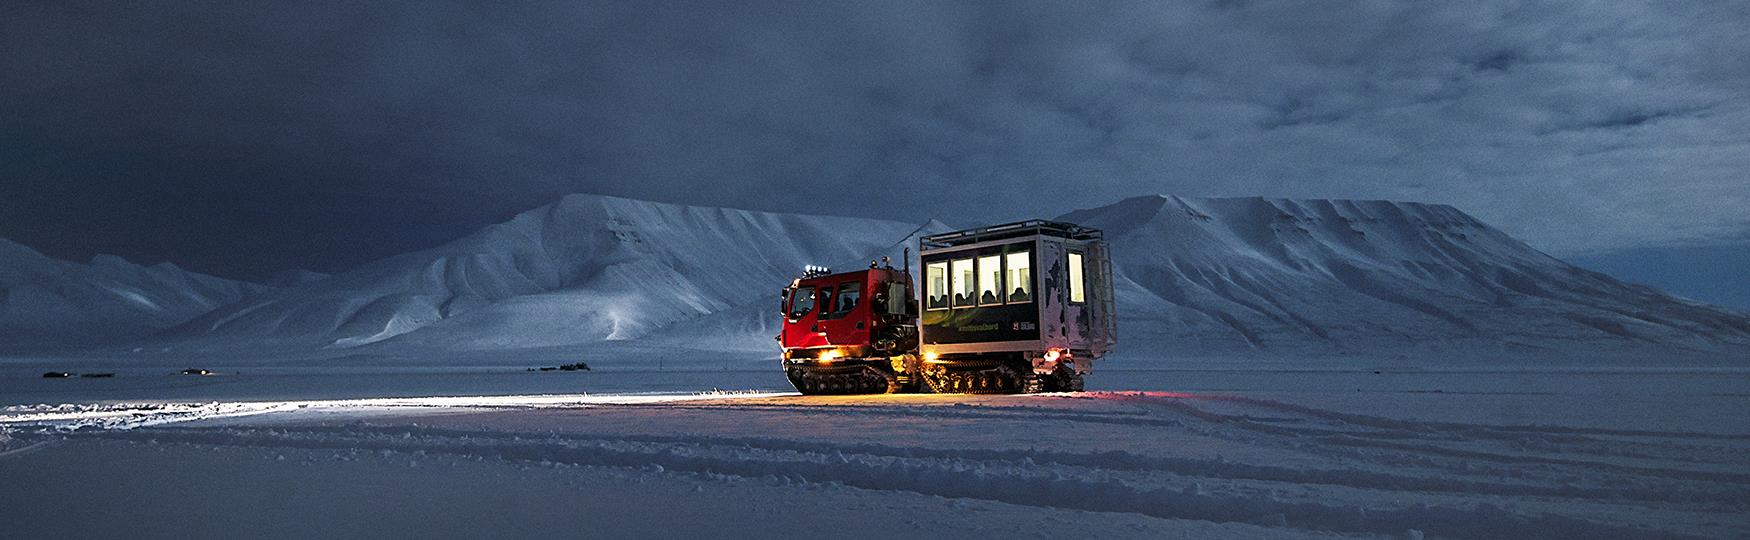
(142, 414)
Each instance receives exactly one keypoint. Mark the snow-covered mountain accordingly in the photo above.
(584, 269)
(46, 302)
(750, 327)
(1236, 277)
(1375, 278)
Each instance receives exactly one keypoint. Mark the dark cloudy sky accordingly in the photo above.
(244, 137)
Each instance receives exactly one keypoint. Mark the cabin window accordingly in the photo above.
(965, 294)
(990, 280)
(1019, 276)
(801, 302)
(849, 294)
(823, 300)
(936, 296)
(1077, 291)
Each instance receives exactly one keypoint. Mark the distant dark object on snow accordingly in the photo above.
(57, 375)
(97, 375)
(580, 366)
(195, 371)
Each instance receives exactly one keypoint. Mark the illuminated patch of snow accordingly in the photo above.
(130, 416)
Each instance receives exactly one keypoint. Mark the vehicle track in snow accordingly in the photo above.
(1183, 456)
(1685, 456)
(1015, 478)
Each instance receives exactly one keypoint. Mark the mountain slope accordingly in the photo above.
(583, 269)
(50, 303)
(750, 327)
(1247, 277)
(1244, 275)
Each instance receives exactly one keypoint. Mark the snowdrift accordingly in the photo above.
(1373, 278)
(46, 302)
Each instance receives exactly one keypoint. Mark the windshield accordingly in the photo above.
(801, 302)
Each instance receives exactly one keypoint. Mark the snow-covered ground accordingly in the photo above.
(1199, 453)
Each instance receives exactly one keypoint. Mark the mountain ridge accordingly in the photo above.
(1248, 273)
(48, 302)
(581, 269)
(1196, 277)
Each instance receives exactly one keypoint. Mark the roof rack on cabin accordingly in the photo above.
(1011, 230)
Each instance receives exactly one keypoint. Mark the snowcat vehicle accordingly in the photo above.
(850, 333)
(1015, 308)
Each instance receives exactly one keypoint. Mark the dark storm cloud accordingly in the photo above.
(243, 137)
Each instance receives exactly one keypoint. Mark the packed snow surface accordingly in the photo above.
(1258, 460)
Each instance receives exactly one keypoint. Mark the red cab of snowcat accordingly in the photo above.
(860, 314)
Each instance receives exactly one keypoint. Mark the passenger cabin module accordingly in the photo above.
(1022, 307)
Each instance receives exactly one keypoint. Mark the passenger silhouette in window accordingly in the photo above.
(988, 298)
(960, 299)
(939, 301)
(1020, 295)
(847, 302)
(848, 295)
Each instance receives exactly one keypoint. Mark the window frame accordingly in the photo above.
(978, 274)
(835, 290)
(853, 287)
(954, 279)
(823, 296)
(1077, 276)
(1026, 255)
(790, 303)
(947, 293)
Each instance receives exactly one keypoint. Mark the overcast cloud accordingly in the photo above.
(245, 137)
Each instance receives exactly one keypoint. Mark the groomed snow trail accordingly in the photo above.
(1179, 456)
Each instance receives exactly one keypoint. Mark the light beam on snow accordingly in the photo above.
(133, 415)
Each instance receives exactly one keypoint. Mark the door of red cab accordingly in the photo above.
(846, 321)
(802, 323)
